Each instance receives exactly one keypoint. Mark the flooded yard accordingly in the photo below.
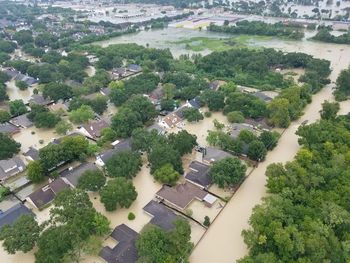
(15, 93)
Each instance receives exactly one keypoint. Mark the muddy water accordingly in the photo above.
(90, 70)
(223, 241)
(15, 93)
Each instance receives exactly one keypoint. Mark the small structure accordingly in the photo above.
(93, 129)
(194, 103)
(216, 84)
(71, 175)
(161, 215)
(134, 68)
(55, 107)
(44, 196)
(211, 155)
(32, 154)
(180, 196)
(173, 119)
(238, 127)
(125, 251)
(39, 100)
(199, 174)
(247, 90)
(8, 128)
(106, 91)
(119, 147)
(10, 216)
(11, 167)
(22, 121)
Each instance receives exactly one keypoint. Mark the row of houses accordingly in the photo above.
(18, 76)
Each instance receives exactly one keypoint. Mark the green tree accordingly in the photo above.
(143, 106)
(21, 85)
(166, 175)
(206, 221)
(21, 236)
(235, 117)
(269, 139)
(8, 147)
(257, 151)
(4, 116)
(162, 154)
(118, 192)
(182, 141)
(62, 127)
(214, 99)
(125, 121)
(35, 172)
(57, 91)
(124, 164)
(17, 107)
(329, 110)
(192, 114)
(279, 112)
(227, 172)
(92, 180)
(83, 114)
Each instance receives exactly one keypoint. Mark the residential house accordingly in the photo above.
(71, 175)
(156, 95)
(58, 107)
(10, 216)
(216, 84)
(22, 121)
(32, 154)
(106, 91)
(211, 155)
(11, 167)
(8, 128)
(238, 127)
(199, 175)
(119, 146)
(194, 103)
(173, 119)
(92, 59)
(134, 68)
(119, 73)
(39, 100)
(247, 90)
(180, 196)
(45, 195)
(93, 129)
(30, 81)
(161, 215)
(125, 250)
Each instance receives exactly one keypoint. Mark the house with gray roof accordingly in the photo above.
(10, 216)
(8, 128)
(71, 175)
(211, 155)
(161, 215)
(134, 68)
(195, 103)
(11, 167)
(199, 174)
(236, 129)
(25, 78)
(125, 250)
(32, 154)
(39, 100)
(22, 121)
(93, 129)
(122, 146)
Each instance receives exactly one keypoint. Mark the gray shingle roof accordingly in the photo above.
(120, 147)
(11, 215)
(8, 128)
(11, 167)
(22, 121)
(161, 215)
(32, 153)
(199, 174)
(73, 175)
(213, 154)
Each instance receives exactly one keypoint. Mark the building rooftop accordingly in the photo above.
(39, 99)
(195, 103)
(182, 195)
(211, 154)
(11, 167)
(94, 128)
(73, 175)
(238, 127)
(8, 128)
(199, 174)
(11, 215)
(120, 147)
(22, 121)
(161, 215)
(125, 251)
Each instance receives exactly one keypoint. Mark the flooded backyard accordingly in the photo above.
(15, 93)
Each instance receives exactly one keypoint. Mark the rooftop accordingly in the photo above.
(11, 167)
(73, 175)
(11, 215)
(125, 251)
(182, 195)
(199, 174)
(39, 99)
(238, 127)
(213, 154)
(120, 147)
(94, 128)
(8, 128)
(22, 121)
(161, 215)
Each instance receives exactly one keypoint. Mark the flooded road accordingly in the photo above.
(223, 241)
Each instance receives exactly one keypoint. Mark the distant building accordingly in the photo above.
(216, 84)
(10, 216)
(125, 250)
(105, 91)
(11, 167)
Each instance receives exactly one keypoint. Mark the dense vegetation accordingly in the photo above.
(325, 35)
(342, 91)
(306, 219)
(259, 28)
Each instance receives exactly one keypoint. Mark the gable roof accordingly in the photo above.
(22, 121)
(39, 99)
(73, 175)
(11, 215)
(199, 174)
(125, 251)
(161, 215)
(211, 154)
(195, 102)
(120, 147)
(8, 128)
(11, 167)
(94, 128)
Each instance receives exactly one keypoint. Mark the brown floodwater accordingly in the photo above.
(223, 241)
(15, 93)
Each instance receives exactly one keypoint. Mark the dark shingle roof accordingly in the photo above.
(161, 215)
(120, 147)
(32, 153)
(125, 251)
(8, 128)
(22, 121)
(11, 215)
(199, 174)
(73, 175)
(195, 103)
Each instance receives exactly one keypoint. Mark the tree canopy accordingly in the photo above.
(124, 164)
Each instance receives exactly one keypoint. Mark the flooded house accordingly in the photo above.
(93, 129)
(39, 100)
(236, 129)
(266, 96)
(31, 154)
(211, 155)
(11, 167)
(106, 91)
(119, 73)
(162, 216)
(8, 128)
(134, 68)
(119, 146)
(180, 196)
(10, 216)
(199, 175)
(22, 121)
(173, 119)
(58, 107)
(125, 250)
(71, 175)
(194, 103)
(156, 95)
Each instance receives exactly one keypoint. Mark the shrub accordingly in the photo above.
(131, 216)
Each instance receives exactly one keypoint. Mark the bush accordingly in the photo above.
(131, 216)
(235, 117)
(206, 221)
(207, 114)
